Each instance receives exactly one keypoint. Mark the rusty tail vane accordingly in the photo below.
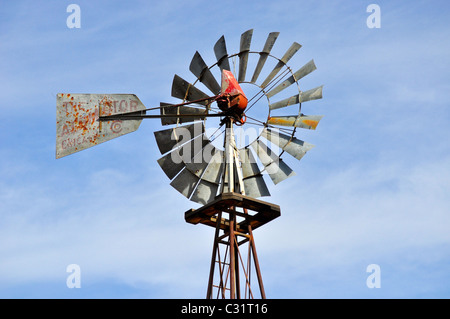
(77, 125)
(86, 120)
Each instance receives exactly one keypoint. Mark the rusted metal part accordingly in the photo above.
(261, 212)
(213, 262)
(255, 257)
(235, 97)
(77, 125)
(234, 272)
(304, 121)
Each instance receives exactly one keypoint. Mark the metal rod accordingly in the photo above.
(213, 98)
(127, 116)
(232, 265)
(213, 258)
(255, 258)
(222, 283)
(229, 151)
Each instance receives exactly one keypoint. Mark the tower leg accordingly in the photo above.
(230, 263)
(255, 258)
(213, 258)
(234, 258)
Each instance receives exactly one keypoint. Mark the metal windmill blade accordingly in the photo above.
(220, 49)
(306, 96)
(298, 75)
(282, 62)
(186, 91)
(178, 111)
(199, 68)
(77, 125)
(297, 148)
(270, 42)
(246, 39)
(309, 122)
(274, 165)
(254, 183)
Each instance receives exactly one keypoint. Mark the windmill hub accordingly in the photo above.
(232, 99)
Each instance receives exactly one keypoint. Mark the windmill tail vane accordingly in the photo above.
(80, 116)
(202, 154)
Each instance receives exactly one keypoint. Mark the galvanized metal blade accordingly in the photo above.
(313, 94)
(181, 157)
(254, 183)
(264, 54)
(295, 147)
(184, 90)
(199, 68)
(185, 182)
(249, 166)
(171, 164)
(169, 109)
(198, 163)
(246, 39)
(302, 72)
(286, 57)
(205, 192)
(303, 121)
(274, 165)
(256, 187)
(214, 171)
(77, 124)
(174, 137)
(220, 49)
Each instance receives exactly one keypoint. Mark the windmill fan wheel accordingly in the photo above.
(193, 157)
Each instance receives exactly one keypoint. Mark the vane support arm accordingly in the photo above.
(138, 115)
(142, 115)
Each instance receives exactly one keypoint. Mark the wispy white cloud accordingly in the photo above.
(372, 191)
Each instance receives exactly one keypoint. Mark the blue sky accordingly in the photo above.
(374, 190)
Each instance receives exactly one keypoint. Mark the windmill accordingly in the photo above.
(217, 169)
